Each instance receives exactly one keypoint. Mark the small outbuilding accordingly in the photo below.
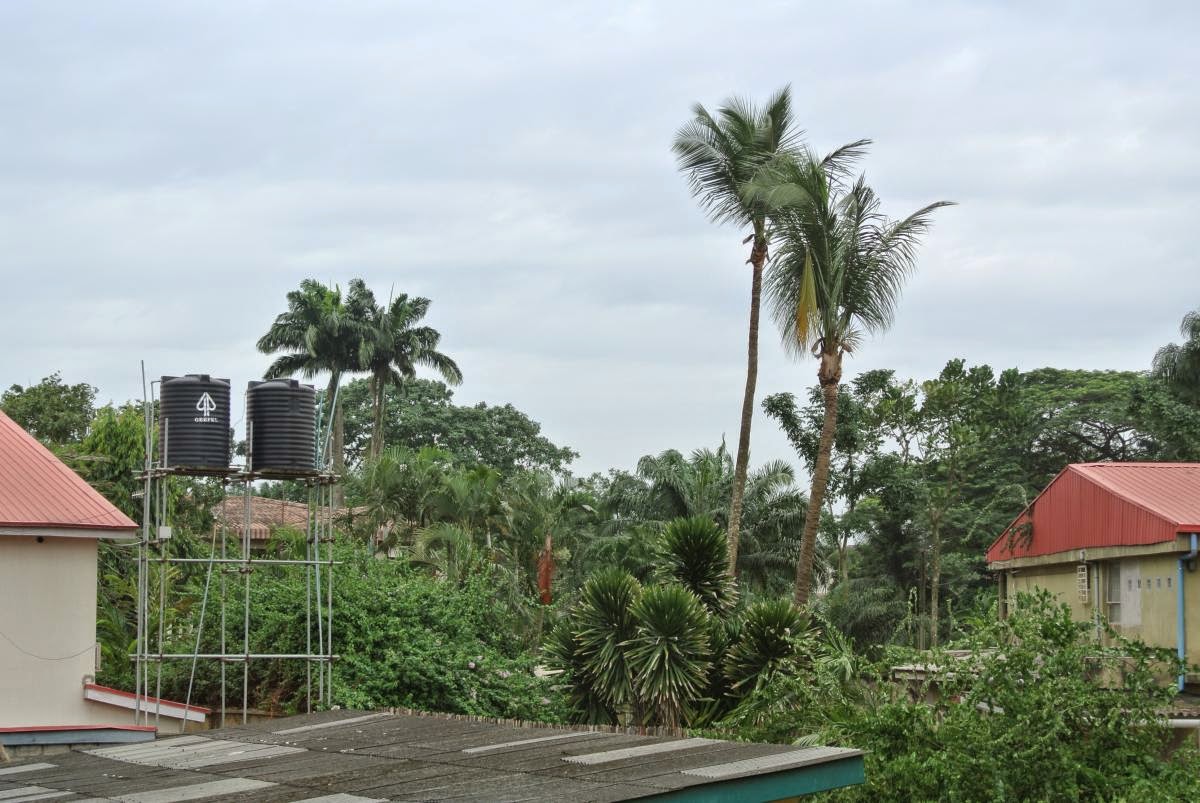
(1117, 540)
(51, 521)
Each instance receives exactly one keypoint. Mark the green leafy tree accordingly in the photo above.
(112, 454)
(401, 492)
(393, 346)
(423, 414)
(837, 274)
(721, 154)
(1171, 426)
(51, 411)
(1032, 708)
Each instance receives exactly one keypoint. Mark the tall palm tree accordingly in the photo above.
(320, 332)
(1179, 364)
(392, 347)
(721, 154)
(837, 274)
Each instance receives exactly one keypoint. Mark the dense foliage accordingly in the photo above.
(472, 560)
(1031, 708)
(927, 474)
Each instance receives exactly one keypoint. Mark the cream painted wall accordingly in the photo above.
(1148, 606)
(47, 607)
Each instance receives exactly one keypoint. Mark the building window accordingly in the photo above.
(1168, 581)
(1113, 594)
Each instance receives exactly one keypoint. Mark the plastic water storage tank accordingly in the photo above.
(193, 422)
(282, 417)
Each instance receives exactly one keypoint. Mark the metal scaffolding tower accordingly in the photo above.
(155, 556)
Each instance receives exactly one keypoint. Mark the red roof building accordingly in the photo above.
(1117, 542)
(38, 492)
(50, 523)
(1094, 505)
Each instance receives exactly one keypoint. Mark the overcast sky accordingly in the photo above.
(168, 171)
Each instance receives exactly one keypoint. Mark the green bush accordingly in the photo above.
(1035, 709)
(404, 639)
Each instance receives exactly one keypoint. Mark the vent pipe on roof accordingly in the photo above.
(1180, 620)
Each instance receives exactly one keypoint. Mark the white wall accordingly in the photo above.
(47, 607)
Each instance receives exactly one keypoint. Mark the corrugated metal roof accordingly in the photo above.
(1104, 505)
(1170, 491)
(38, 490)
(354, 756)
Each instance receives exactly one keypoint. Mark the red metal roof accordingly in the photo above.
(1105, 504)
(37, 490)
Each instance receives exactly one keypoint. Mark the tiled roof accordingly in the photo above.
(38, 491)
(266, 515)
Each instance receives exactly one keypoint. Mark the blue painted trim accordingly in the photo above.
(97, 736)
(822, 777)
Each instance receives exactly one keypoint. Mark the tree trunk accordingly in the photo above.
(830, 374)
(377, 418)
(337, 446)
(339, 455)
(758, 257)
(935, 577)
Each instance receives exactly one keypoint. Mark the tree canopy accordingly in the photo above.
(423, 413)
(52, 411)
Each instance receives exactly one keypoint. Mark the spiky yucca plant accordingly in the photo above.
(692, 552)
(669, 655)
(771, 633)
(562, 650)
(605, 622)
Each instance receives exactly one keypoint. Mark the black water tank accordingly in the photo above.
(193, 422)
(282, 415)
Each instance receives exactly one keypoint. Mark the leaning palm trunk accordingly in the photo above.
(830, 375)
(758, 256)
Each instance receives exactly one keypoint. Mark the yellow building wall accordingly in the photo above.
(1151, 580)
(48, 617)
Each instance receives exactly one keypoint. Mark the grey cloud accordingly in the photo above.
(172, 170)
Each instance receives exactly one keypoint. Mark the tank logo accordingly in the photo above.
(206, 406)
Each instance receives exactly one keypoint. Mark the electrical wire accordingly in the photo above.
(24, 651)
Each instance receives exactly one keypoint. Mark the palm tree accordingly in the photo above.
(772, 523)
(836, 275)
(1179, 365)
(392, 347)
(319, 333)
(697, 485)
(720, 155)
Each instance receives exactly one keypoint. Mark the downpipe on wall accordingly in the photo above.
(1180, 599)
